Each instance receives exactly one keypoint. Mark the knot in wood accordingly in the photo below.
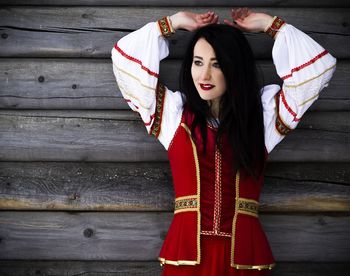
(74, 196)
(88, 232)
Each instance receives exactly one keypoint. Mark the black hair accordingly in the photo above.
(240, 114)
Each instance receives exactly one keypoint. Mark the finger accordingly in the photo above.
(206, 14)
(244, 11)
(209, 18)
(215, 19)
(238, 12)
(234, 14)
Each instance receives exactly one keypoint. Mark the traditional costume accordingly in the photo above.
(215, 228)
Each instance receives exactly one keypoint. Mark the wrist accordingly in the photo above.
(268, 22)
(174, 21)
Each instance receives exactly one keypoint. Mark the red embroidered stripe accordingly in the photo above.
(305, 64)
(128, 101)
(150, 120)
(288, 107)
(154, 74)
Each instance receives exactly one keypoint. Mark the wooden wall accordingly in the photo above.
(84, 190)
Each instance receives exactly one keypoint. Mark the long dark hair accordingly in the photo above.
(240, 115)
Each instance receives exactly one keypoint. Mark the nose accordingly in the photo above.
(205, 74)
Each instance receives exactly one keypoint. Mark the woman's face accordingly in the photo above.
(206, 73)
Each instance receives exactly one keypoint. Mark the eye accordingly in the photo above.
(216, 65)
(197, 62)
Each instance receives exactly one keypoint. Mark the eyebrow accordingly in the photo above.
(213, 58)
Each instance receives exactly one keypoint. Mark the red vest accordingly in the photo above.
(235, 207)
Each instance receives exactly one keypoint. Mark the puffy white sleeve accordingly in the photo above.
(136, 59)
(305, 68)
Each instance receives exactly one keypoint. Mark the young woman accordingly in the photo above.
(219, 129)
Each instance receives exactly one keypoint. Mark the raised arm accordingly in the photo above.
(136, 58)
(304, 66)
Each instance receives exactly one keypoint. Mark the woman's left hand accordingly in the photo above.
(248, 21)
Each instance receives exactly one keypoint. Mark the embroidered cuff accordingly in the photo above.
(165, 26)
(274, 27)
(281, 126)
(160, 95)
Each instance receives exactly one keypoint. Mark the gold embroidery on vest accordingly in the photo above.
(186, 203)
(247, 206)
(217, 198)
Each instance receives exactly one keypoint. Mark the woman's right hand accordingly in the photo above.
(192, 21)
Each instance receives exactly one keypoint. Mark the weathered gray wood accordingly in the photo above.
(74, 268)
(90, 84)
(138, 236)
(310, 269)
(50, 18)
(42, 136)
(106, 268)
(91, 32)
(332, 173)
(185, 3)
(289, 187)
(24, 43)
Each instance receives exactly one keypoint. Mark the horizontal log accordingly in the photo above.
(133, 236)
(90, 84)
(185, 3)
(91, 32)
(289, 187)
(90, 268)
(42, 136)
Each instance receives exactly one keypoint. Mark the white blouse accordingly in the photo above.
(303, 65)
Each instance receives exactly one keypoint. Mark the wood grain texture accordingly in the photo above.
(90, 84)
(185, 3)
(107, 268)
(54, 136)
(289, 187)
(124, 236)
(91, 31)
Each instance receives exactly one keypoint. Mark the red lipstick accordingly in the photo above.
(206, 86)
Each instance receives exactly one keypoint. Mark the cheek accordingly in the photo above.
(194, 72)
(222, 81)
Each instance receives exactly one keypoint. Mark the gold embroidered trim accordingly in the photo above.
(234, 221)
(258, 267)
(280, 125)
(310, 99)
(165, 26)
(217, 197)
(212, 233)
(134, 77)
(160, 96)
(277, 23)
(186, 204)
(198, 191)
(311, 79)
(247, 206)
(177, 263)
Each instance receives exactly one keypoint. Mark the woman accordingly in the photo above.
(219, 129)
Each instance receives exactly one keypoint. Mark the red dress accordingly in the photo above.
(211, 229)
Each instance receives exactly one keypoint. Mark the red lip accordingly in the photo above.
(206, 86)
